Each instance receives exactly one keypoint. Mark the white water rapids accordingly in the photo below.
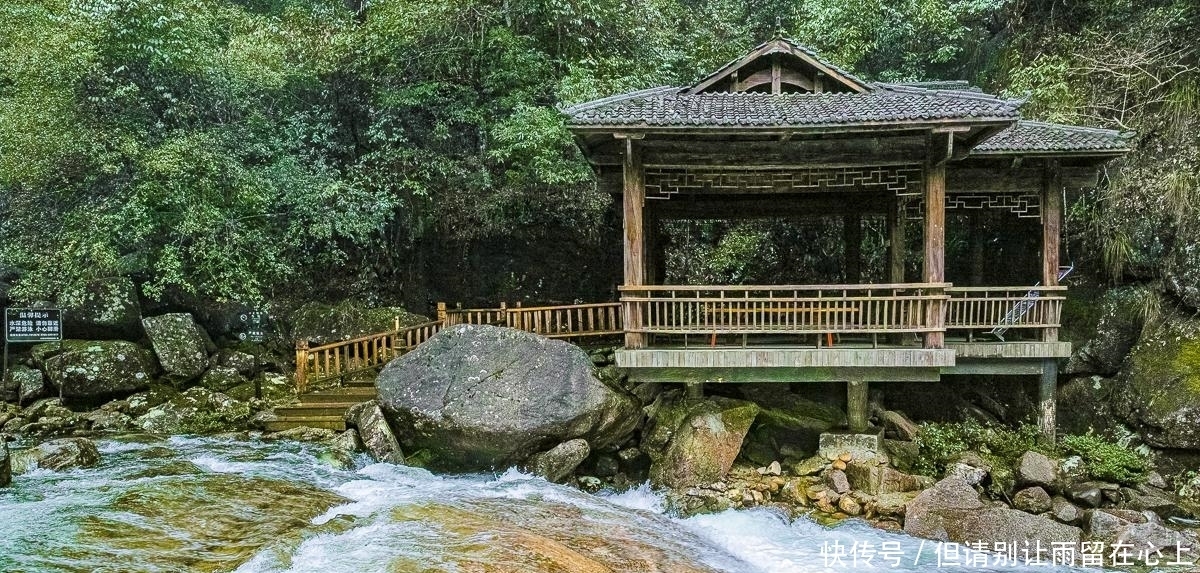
(205, 504)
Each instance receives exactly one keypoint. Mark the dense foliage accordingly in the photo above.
(402, 150)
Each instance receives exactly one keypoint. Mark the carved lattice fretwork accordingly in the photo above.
(1023, 205)
(664, 182)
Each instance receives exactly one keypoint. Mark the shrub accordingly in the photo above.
(1107, 460)
(1000, 446)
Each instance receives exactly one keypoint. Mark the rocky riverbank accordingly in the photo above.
(478, 398)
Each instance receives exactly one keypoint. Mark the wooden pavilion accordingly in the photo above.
(781, 132)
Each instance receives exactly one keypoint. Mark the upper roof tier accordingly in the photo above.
(783, 85)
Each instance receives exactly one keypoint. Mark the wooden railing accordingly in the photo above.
(563, 321)
(998, 309)
(342, 358)
(872, 309)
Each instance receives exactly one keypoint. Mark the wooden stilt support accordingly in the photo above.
(1047, 406)
(693, 391)
(858, 408)
(633, 201)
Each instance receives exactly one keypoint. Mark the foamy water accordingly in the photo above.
(195, 504)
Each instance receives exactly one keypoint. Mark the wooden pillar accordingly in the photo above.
(1052, 208)
(634, 198)
(935, 244)
(653, 255)
(896, 243)
(1047, 407)
(976, 224)
(857, 405)
(852, 236)
(301, 374)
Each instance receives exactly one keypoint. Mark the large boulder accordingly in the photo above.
(57, 455)
(1160, 385)
(1118, 329)
(952, 511)
(107, 310)
(483, 397)
(94, 369)
(181, 347)
(695, 442)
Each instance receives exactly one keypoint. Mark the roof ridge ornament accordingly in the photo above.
(779, 31)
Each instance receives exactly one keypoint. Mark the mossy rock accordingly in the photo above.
(323, 323)
(106, 309)
(1161, 384)
(179, 343)
(702, 438)
(1122, 312)
(91, 369)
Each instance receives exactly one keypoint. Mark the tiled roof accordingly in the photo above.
(1027, 136)
(956, 85)
(673, 107)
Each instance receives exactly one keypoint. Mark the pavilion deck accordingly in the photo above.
(793, 333)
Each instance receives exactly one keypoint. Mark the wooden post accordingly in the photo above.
(301, 366)
(1047, 407)
(935, 245)
(896, 243)
(442, 315)
(650, 275)
(858, 409)
(693, 391)
(633, 199)
(852, 235)
(1052, 208)
(976, 238)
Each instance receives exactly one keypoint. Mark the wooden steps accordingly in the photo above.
(325, 409)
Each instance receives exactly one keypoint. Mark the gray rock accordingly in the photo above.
(1089, 493)
(949, 500)
(482, 397)
(693, 443)
(56, 455)
(1065, 511)
(180, 345)
(1115, 334)
(1153, 537)
(91, 370)
(1103, 526)
(108, 310)
(24, 384)
(1149, 498)
(557, 463)
(952, 511)
(348, 442)
(243, 362)
(838, 481)
(109, 421)
(376, 434)
(221, 378)
(1032, 500)
(195, 411)
(809, 466)
(606, 466)
(967, 473)
(1034, 468)
(5, 464)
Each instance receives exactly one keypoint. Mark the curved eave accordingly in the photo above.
(643, 128)
(1098, 153)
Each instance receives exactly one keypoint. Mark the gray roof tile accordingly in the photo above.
(1033, 136)
(673, 107)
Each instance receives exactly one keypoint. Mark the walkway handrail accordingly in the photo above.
(343, 357)
(785, 309)
(1005, 307)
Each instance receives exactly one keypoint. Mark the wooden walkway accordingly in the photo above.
(676, 327)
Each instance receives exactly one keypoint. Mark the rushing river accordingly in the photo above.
(199, 504)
